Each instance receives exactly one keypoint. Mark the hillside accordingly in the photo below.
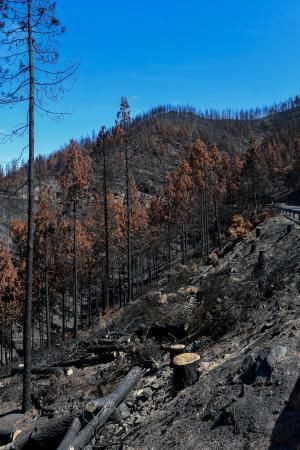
(165, 139)
(160, 141)
(242, 320)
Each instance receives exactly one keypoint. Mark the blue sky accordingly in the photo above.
(217, 53)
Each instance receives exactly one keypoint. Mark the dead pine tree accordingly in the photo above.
(101, 147)
(29, 37)
(75, 183)
(123, 123)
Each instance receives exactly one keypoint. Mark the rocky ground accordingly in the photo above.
(243, 321)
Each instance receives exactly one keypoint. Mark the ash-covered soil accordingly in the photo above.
(243, 321)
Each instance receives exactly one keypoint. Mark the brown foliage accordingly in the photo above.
(240, 227)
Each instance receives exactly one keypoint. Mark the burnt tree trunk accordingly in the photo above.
(75, 281)
(112, 401)
(106, 231)
(27, 343)
(128, 213)
(47, 294)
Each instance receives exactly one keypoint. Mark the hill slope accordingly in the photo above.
(247, 335)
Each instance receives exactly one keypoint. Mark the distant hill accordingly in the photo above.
(166, 138)
(161, 139)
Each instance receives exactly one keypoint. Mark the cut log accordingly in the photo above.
(226, 249)
(8, 425)
(185, 370)
(38, 370)
(35, 371)
(87, 360)
(176, 349)
(107, 348)
(49, 433)
(19, 443)
(69, 437)
(112, 402)
(5, 373)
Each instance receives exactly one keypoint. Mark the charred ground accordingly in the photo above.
(243, 323)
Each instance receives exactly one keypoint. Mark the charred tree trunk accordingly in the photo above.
(75, 281)
(27, 343)
(106, 232)
(128, 212)
(47, 295)
(217, 223)
(63, 315)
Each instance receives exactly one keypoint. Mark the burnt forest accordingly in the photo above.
(149, 270)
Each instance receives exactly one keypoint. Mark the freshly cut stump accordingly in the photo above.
(185, 370)
(176, 349)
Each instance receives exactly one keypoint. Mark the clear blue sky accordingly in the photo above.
(212, 53)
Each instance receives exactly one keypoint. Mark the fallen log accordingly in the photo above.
(112, 402)
(190, 337)
(70, 436)
(38, 370)
(19, 443)
(107, 348)
(185, 370)
(5, 373)
(48, 434)
(87, 359)
(35, 371)
(226, 249)
(159, 331)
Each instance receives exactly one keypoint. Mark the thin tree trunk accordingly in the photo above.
(75, 281)
(106, 287)
(217, 223)
(30, 232)
(206, 223)
(64, 315)
(129, 250)
(47, 295)
(202, 224)
(89, 305)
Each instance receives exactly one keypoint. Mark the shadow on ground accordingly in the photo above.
(286, 433)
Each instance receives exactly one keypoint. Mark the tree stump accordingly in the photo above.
(176, 349)
(258, 232)
(261, 263)
(185, 370)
